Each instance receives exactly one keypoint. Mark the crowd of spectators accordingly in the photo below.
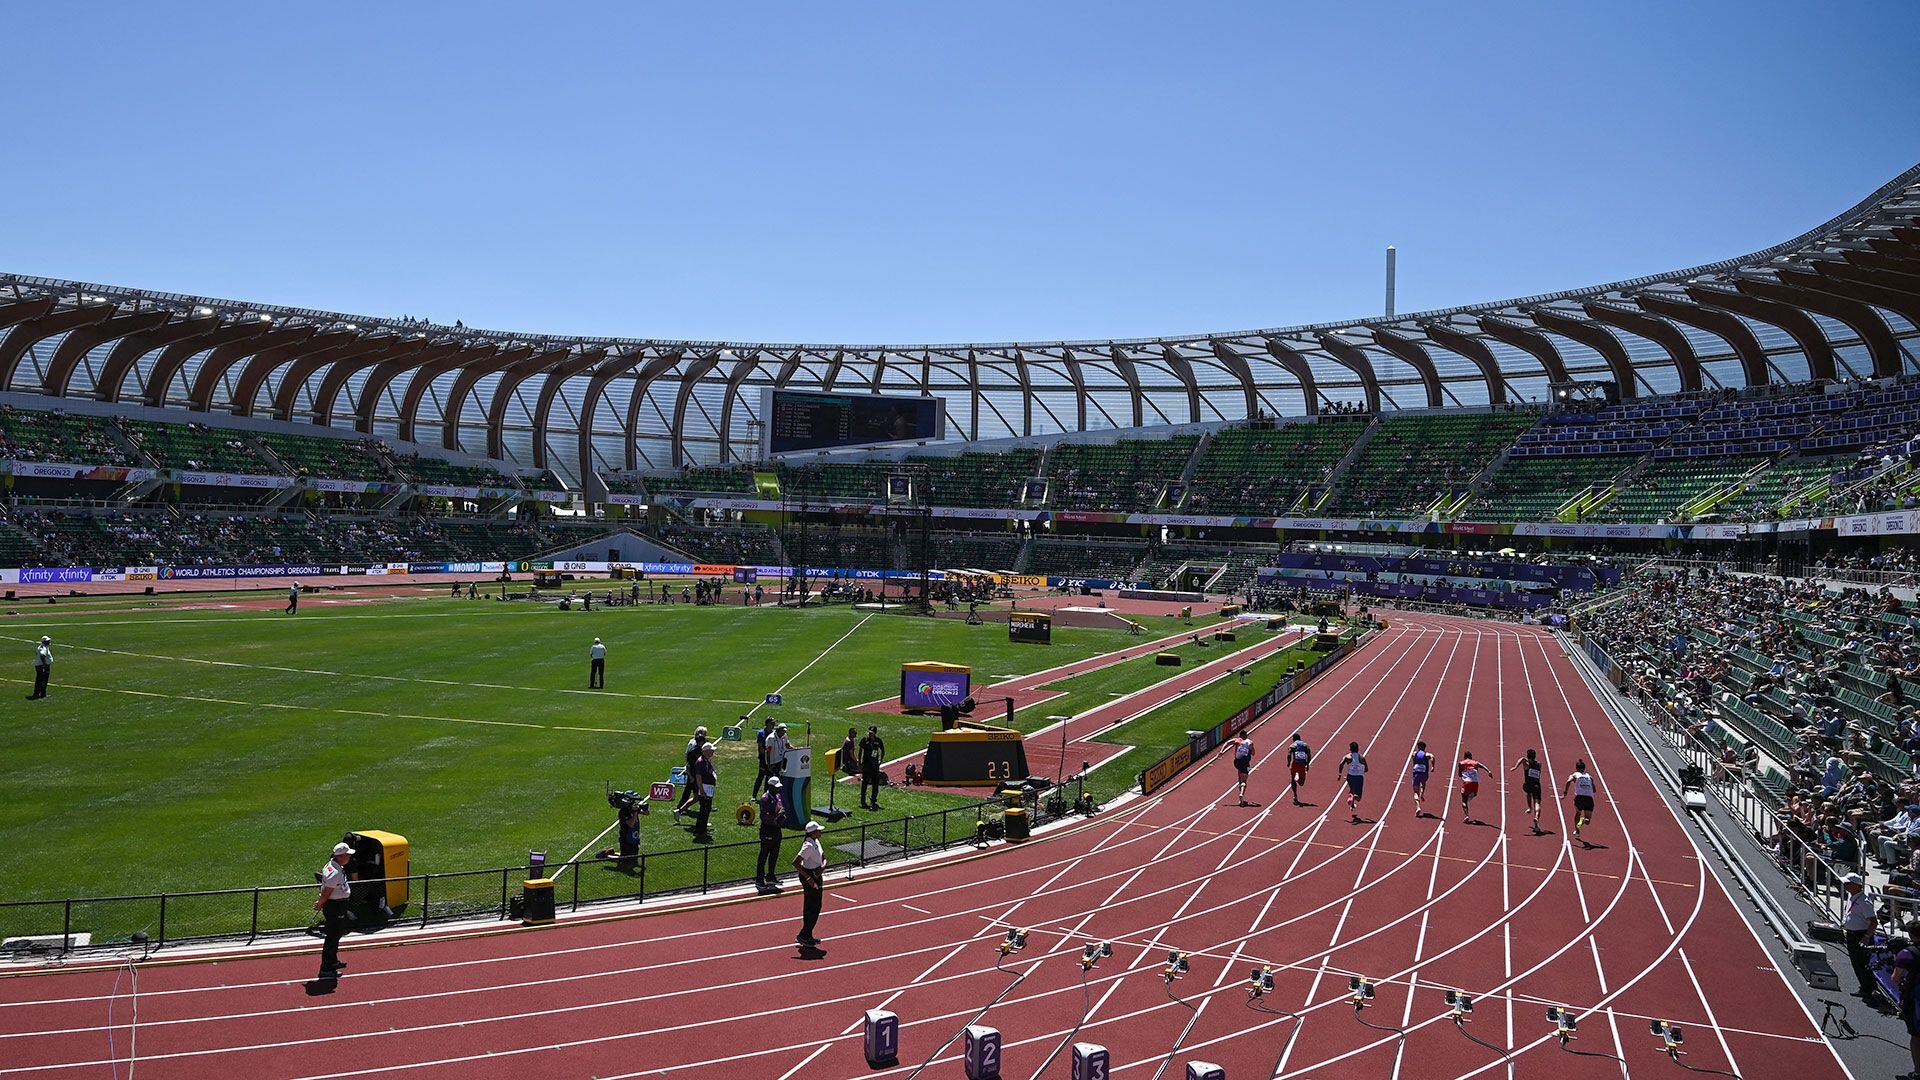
(1809, 694)
(31, 435)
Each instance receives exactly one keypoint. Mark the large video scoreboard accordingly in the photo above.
(808, 420)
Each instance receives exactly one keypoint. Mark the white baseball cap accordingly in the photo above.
(343, 849)
(773, 781)
(1854, 879)
(596, 641)
(44, 639)
(813, 827)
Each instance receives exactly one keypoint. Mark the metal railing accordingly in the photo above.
(157, 919)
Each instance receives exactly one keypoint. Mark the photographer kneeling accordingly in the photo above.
(628, 806)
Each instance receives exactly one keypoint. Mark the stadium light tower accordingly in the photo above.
(1390, 256)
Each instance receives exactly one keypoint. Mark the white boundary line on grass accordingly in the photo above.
(382, 678)
(749, 715)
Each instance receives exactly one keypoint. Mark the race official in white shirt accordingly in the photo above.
(597, 671)
(332, 905)
(42, 668)
(811, 864)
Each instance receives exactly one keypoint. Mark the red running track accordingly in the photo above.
(1632, 929)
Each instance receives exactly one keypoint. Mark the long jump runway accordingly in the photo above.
(1632, 929)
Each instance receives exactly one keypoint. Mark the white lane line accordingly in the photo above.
(1712, 1020)
(749, 715)
(823, 655)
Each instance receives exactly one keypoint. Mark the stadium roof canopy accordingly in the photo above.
(1839, 301)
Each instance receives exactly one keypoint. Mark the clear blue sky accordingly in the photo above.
(903, 172)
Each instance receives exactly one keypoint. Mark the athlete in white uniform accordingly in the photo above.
(1581, 784)
(1353, 768)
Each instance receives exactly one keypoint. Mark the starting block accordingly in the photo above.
(1090, 1061)
(982, 1052)
(882, 1038)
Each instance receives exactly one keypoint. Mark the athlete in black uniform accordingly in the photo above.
(1529, 768)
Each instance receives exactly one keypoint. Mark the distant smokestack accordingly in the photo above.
(1390, 254)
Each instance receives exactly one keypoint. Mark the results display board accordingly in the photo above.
(807, 420)
(1030, 626)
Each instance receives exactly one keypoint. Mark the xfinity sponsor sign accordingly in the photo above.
(41, 575)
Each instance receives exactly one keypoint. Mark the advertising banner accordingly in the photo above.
(59, 471)
(42, 575)
(1087, 583)
(194, 573)
(546, 495)
(627, 500)
(237, 480)
(454, 491)
(357, 487)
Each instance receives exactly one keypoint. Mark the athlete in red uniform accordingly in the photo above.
(1299, 756)
(1469, 783)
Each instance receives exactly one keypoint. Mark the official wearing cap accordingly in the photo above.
(811, 863)
(42, 668)
(597, 671)
(332, 906)
(1858, 925)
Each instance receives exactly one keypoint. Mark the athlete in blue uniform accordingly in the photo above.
(1242, 748)
(1420, 767)
(1299, 756)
